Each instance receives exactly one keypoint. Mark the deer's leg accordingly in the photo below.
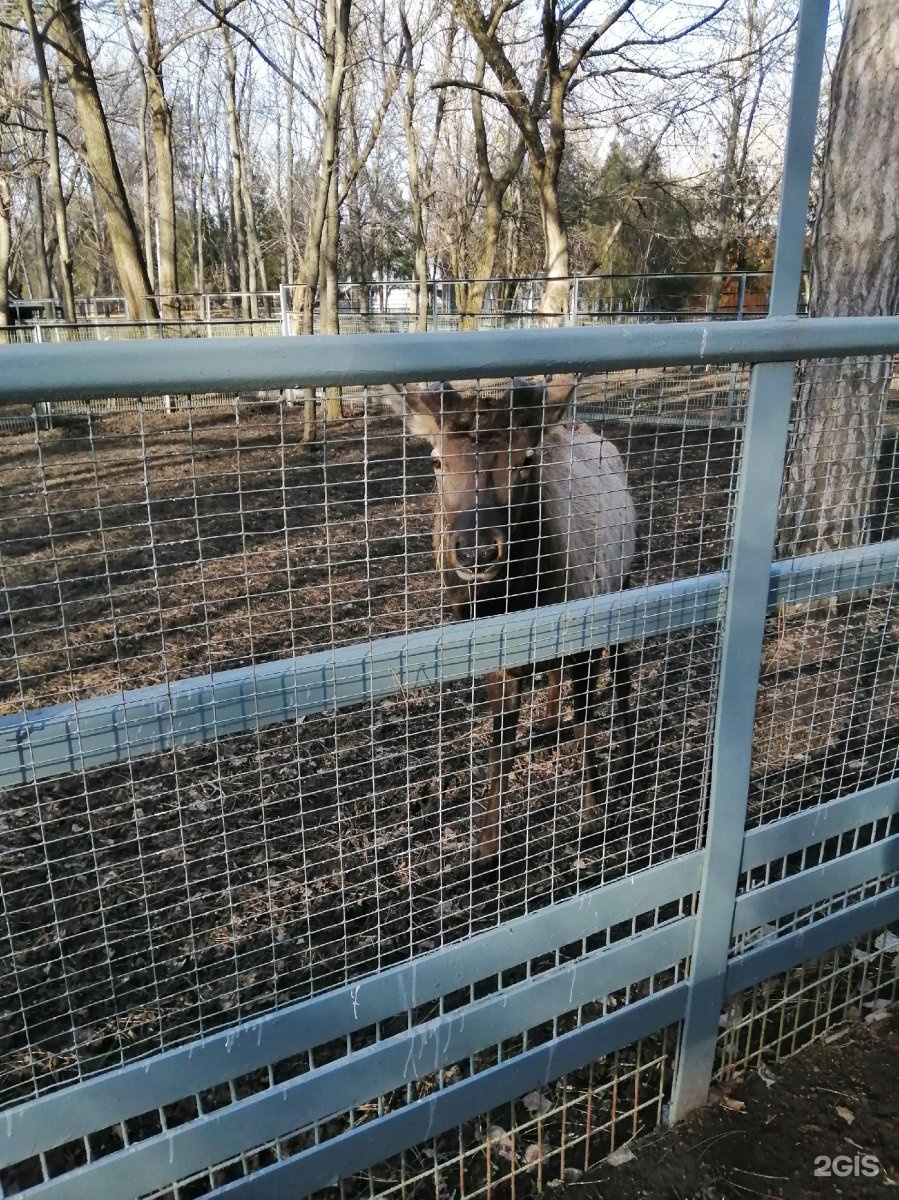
(584, 669)
(553, 699)
(504, 692)
(623, 730)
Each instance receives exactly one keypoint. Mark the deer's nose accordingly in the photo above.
(479, 555)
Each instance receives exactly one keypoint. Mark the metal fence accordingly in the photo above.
(243, 950)
(392, 307)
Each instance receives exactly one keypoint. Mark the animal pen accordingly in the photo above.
(244, 950)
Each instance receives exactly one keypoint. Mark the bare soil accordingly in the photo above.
(823, 1124)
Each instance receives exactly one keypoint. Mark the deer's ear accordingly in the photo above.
(536, 406)
(559, 393)
(425, 408)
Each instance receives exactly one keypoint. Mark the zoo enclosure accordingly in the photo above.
(316, 1089)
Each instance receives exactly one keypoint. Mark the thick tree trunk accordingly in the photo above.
(68, 35)
(48, 105)
(42, 265)
(855, 272)
(554, 301)
(161, 121)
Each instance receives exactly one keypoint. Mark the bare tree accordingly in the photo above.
(66, 33)
(854, 271)
(48, 105)
(161, 120)
(566, 52)
(420, 150)
(494, 184)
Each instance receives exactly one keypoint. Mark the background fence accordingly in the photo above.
(242, 947)
(392, 307)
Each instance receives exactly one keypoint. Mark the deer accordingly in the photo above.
(531, 510)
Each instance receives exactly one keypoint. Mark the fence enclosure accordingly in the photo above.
(242, 950)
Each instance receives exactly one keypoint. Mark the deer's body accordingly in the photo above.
(530, 512)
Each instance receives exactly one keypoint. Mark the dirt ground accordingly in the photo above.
(820, 1125)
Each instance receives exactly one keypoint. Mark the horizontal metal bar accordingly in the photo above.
(791, 834)
(796, 580)
(374, 1070)
(325, 1165)
(806, 944)
(109, 729)
(187, 365)
(763, 905)
(148, 1084)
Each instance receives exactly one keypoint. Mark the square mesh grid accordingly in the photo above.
(819, 999)
(148, 903)
(154, 901)
(826, 721)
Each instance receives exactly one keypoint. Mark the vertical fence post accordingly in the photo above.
(287, 395)
(732, 382)
(46, 418)
(758, 496)
(573, 306)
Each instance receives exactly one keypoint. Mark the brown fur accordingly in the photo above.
(530, 512)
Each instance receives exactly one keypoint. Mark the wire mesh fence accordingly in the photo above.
(160, 889)
(164, 898)
(152, 901)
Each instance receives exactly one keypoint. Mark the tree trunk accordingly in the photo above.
(42, 266)
(68, 36)
(330, 297)
(161, 121)
(413, 145)
(5, 249)
(198, 184)
(48, 105)
(337, 26)
(554, 301)
(493, 190)
(146, 192)
(241, 246)
(854, 272)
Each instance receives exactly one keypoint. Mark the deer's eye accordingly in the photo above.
(436, 463)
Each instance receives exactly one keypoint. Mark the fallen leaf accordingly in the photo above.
(767, 1076)
(733, 1105)
(846, 1114)
(535, 1102)
(878, 1015)
(532, 1156)
(500, 1141)
(621, 1156)
(836, 1034)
